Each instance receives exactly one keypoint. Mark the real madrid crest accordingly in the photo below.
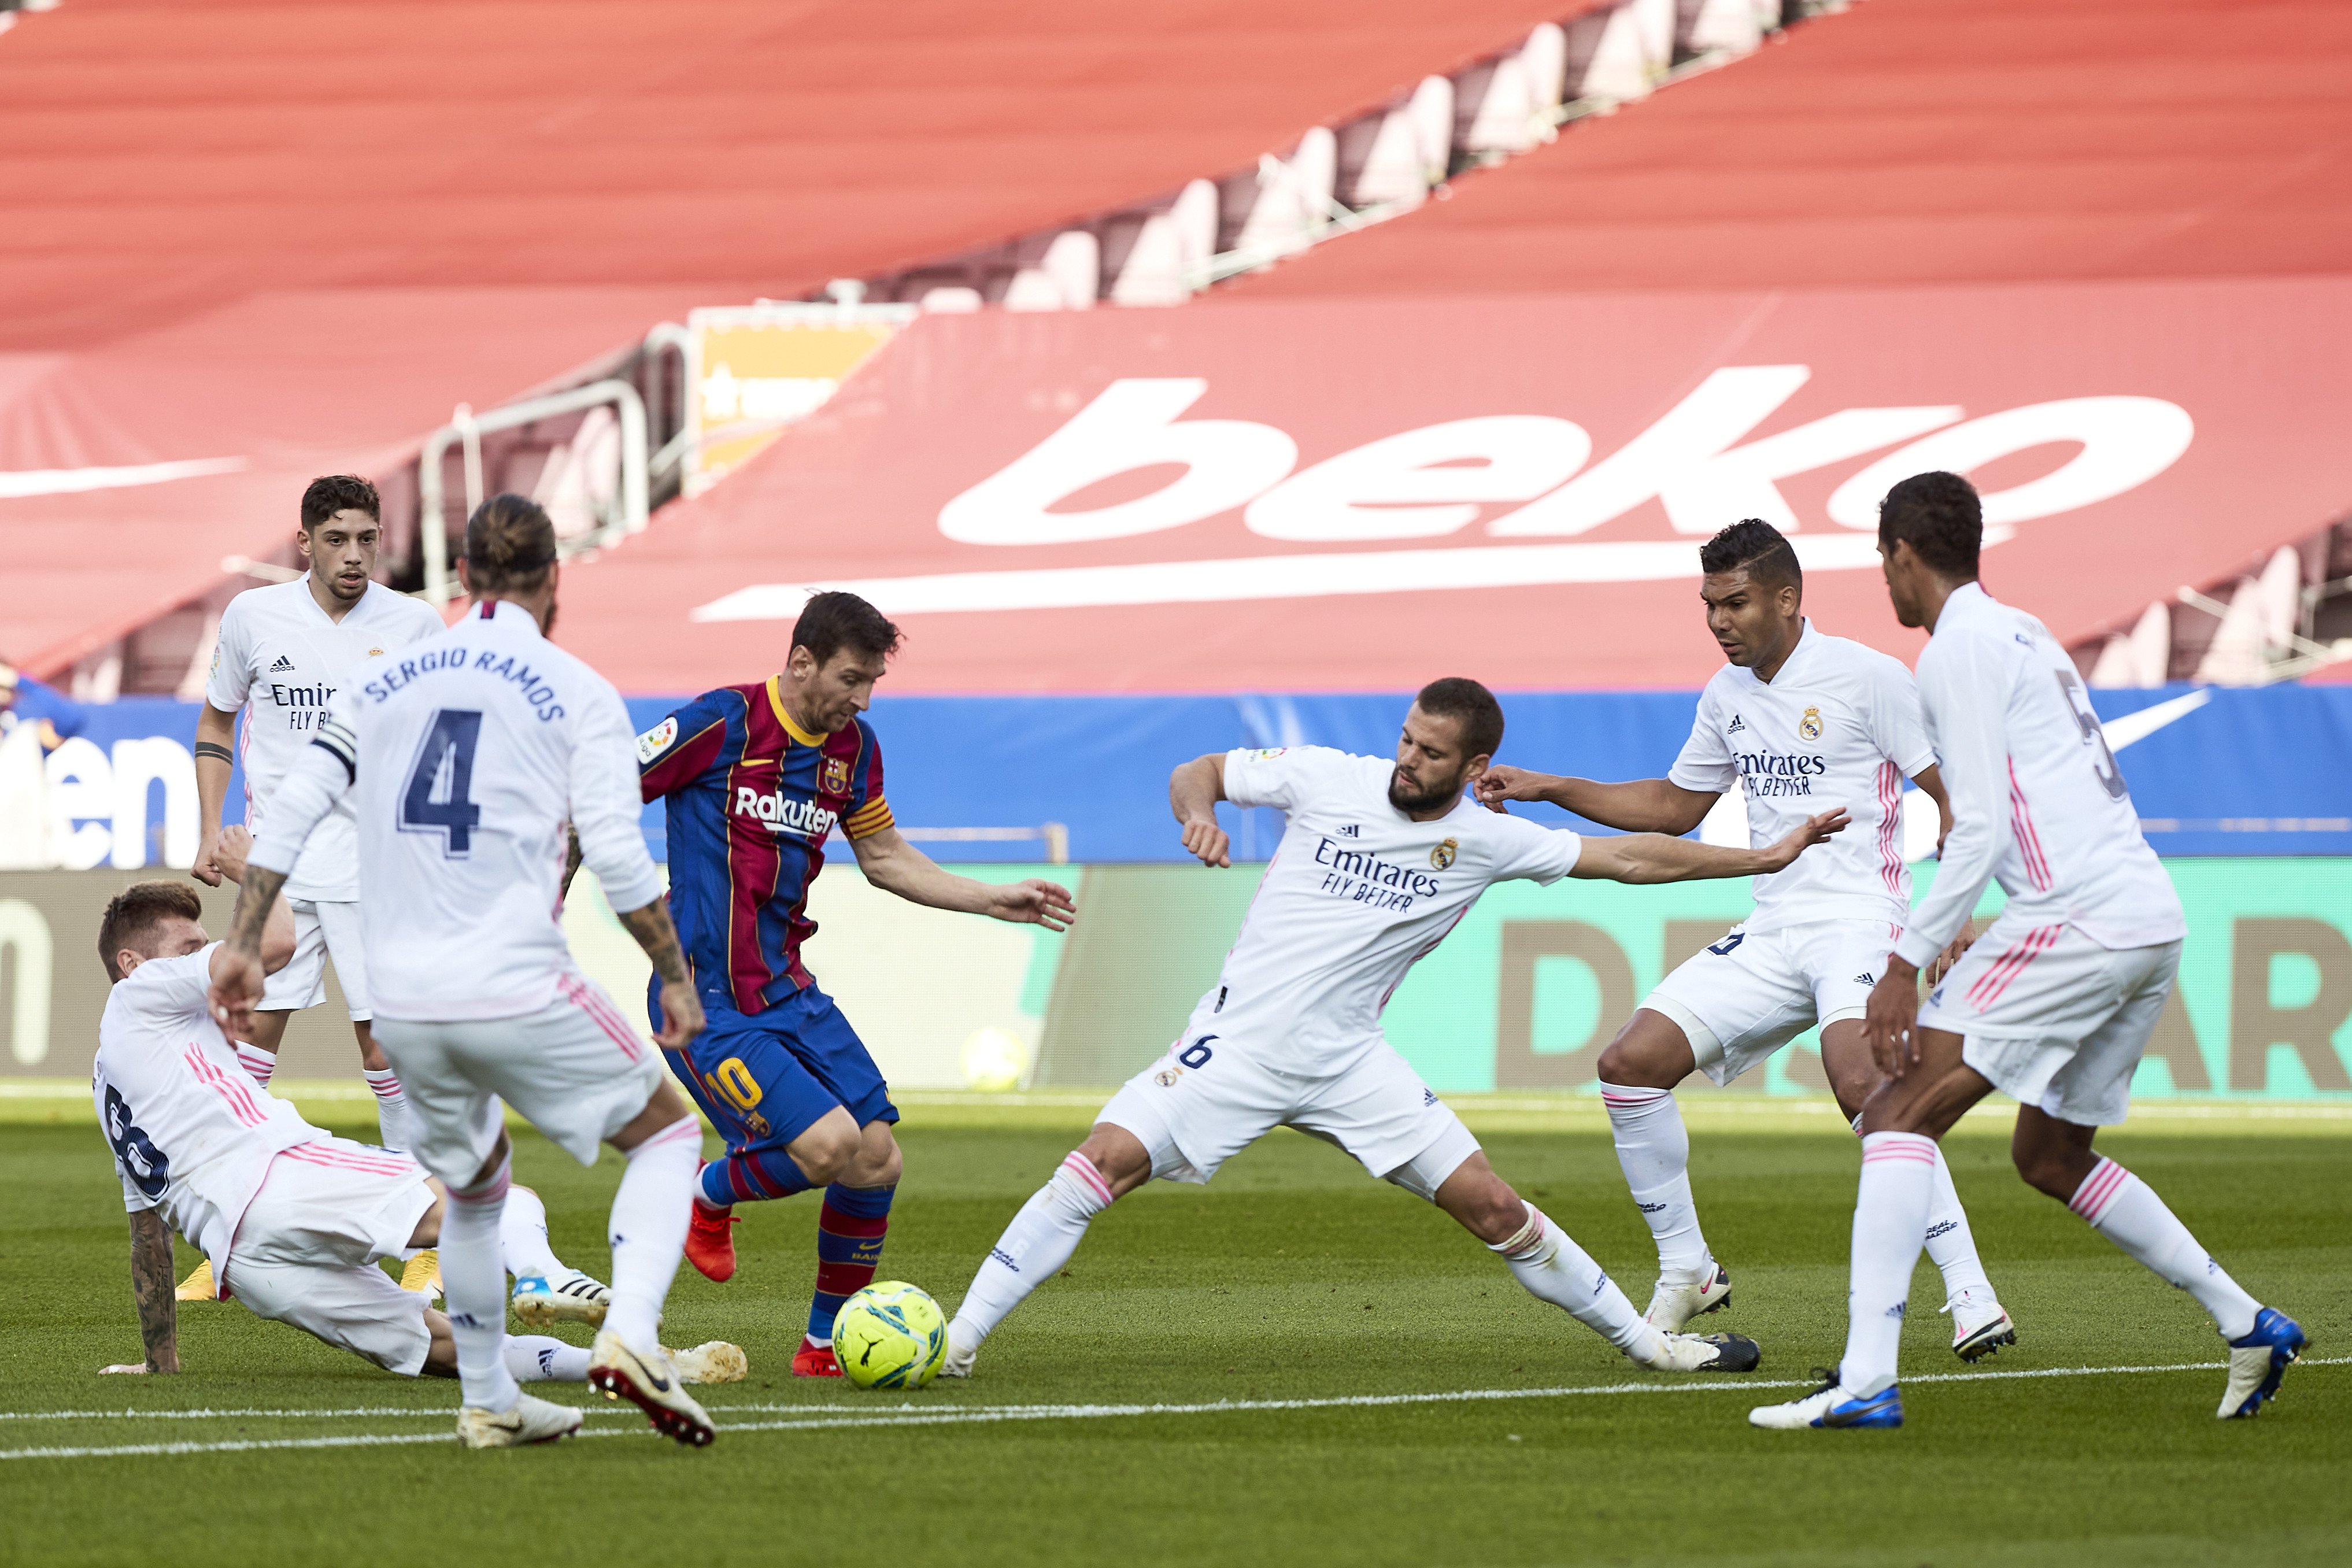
(1442, 855)
(1809, 726)
(836, 775)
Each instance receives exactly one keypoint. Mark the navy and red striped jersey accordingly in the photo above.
(750, 797)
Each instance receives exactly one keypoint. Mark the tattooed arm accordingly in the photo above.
(681, 1009)
(572, 859)
(150, 1287)
(240, 963)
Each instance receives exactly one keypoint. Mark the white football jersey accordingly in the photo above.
(282, 659)
(470, 751)
(192, 1134)
(1356, 893)
(2037, 799)
(1837, 726)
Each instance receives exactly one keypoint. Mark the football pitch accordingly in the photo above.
(1295, 1364)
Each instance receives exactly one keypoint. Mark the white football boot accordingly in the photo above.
(716, 1362)
(960, 1357)
(651, 1385)
(1703, 1353)
(530, 1421)
(1674, 1304)
(1979, 1326)
(575, 1297)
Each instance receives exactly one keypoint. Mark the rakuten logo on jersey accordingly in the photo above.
(782, 814)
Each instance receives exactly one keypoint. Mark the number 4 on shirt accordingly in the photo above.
(437, 798)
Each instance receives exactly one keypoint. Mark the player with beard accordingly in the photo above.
(1379, 859)
(1796, 720)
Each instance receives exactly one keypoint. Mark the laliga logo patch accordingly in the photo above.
(836, 775)
(1265, 751)
(1442, 855)
(655, 741)
(1809, 726)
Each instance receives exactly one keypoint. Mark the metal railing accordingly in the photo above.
(466, 427)
(1053, 835)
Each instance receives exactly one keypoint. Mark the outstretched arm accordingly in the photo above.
(1193, 791)
(896, 865)
(1655, 858)
(150, 1287)
(1643, 806)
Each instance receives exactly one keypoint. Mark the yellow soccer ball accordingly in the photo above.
(891, 1335)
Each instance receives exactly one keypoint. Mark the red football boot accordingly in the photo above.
(710, 1242)
(813, 1359)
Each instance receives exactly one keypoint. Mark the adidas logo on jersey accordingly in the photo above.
(1350, 830)
(1735, 726)
(1865, 978)
(283, 665)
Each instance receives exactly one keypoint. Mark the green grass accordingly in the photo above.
(1293, 1278)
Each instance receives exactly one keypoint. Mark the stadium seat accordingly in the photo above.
(1294, 199)
(1731, 27)
(1432, 113)
(1067, 278)
(1498, 110)
(1169, 250)
(2141, 656)
(1387, 168)
(1606, 55)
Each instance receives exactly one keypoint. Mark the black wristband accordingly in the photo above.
(214, 749)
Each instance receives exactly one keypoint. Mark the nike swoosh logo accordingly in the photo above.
(2131, 728)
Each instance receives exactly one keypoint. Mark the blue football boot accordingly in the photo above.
(2258, 1361)
(1832, 1406)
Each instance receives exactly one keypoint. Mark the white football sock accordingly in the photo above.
(1654, 1147)
(1890, 1225)
(648, 1230)
(1033, 1248)
(257, 1063)
(395, 1125)
(473, 1293)
(2126, 1211)
(522, 1237)
(539, 1358)
(1544, 1260)
(1951, 1245)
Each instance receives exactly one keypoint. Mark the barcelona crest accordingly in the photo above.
(836, 775)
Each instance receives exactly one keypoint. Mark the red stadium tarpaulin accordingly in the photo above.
(279, 239)
(1352, 494)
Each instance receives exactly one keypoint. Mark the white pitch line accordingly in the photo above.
(906, 1416)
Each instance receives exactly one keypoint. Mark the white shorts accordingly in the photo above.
(574, 1069)
(2052, 1018)
(1749, 995)
(320, 930)
(307, 1251)
(1207, 1101)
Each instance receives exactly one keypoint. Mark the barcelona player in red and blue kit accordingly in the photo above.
(755, 778)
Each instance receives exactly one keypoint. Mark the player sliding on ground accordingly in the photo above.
(1797, 720)
(2054, 1002)
(469, 753)
(755, 776)
(1380, 860)
(293, 1219)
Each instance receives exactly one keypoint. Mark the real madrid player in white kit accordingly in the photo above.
(293, 1219)
(1796, 720)
(467, 757)
(1381, 859)
(283, 653)
(2052, 1005)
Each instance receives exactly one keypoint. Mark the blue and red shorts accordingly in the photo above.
(764, 1079)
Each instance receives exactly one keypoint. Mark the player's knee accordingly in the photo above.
(824, 1158)
(879, 1162)
(2045, 1169)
